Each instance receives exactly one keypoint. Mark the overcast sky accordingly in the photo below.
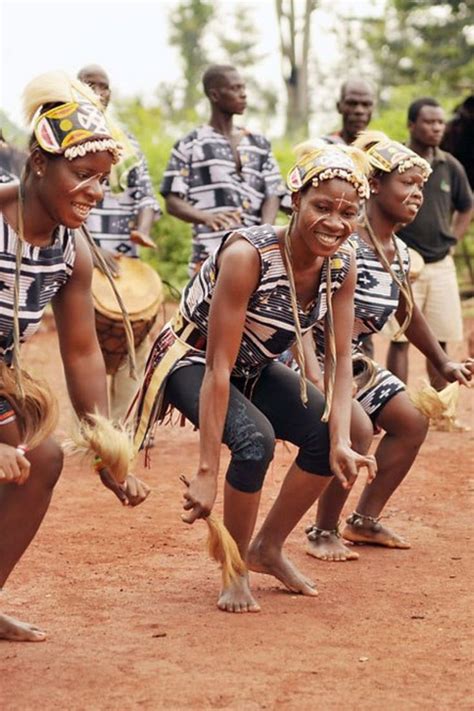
(127, 37)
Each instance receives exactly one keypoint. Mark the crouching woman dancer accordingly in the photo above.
(261, 291)
(382, 289)
(43, 260)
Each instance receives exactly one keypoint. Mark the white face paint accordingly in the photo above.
(83, 183)
(408, 197)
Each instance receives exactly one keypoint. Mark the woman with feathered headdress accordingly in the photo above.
(260, 292)
(383, 287)
(44, 260)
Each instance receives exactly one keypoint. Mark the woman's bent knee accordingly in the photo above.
(46, 463)
(250, 461)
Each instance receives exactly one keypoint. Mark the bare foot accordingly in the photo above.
(17, 631)
(328, 545)
(374, 534)
(237, 597)
(271, 561)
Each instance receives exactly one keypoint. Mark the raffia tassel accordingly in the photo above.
(439, 406)
(223, 549)
(35, 407)
(100, 438)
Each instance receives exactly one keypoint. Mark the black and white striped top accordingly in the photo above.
(203, 171)
(44, 270)
(376, 293)
(269, 325)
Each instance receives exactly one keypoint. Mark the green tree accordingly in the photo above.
(238, 43)
(295, 35)
(189, 22)
(426, 44)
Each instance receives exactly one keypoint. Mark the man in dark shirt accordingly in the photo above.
(442, 221)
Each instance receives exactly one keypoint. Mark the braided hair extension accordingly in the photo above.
(294, 307)
(16, 296)
(330, 339)
(403, 283)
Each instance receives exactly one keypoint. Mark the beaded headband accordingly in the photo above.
(326, 163)
(74, 129)
(387, 155)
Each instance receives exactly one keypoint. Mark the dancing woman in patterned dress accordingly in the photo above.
(382, 289)
(44, 261)
(215, 362)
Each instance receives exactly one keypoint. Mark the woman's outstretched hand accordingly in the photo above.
(462, 372)
(199, 497)
(14, 466)
(345, 464)
(132, 492)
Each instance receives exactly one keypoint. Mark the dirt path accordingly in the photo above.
(128, 599)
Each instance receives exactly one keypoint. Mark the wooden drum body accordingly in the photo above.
(141, 291)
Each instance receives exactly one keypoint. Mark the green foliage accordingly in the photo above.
(173, 237)
(189, 21)
(425, 44)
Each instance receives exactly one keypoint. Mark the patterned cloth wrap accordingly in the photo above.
(268, 330)
(376, 299)
(203, 171)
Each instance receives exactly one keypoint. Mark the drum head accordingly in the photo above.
(139, 286)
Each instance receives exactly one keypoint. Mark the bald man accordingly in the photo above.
(356, 103)
(121, 222)
(221, 176)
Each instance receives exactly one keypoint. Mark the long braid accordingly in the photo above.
(330, 339)
(16, 297)
(403, 283)
(294, 307)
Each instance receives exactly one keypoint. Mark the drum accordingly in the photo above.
(141, 291)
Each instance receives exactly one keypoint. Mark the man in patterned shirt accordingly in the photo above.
(121, 222)
(221, 176)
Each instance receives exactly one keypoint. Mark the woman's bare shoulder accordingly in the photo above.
(8, 193)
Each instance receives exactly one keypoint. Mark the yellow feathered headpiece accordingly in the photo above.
(318, 161)
(76, 125)
(387, 155)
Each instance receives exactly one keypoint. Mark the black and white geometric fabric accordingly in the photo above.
(44, 270)
(203, 171)
(269, 324)
(376, 299)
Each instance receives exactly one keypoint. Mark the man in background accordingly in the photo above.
(356, 103)
(221, 176)
(440, 224)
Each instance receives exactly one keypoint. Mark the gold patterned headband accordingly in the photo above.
(73, 128)
(326, 163)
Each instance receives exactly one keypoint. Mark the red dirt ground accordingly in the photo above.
(128, 599)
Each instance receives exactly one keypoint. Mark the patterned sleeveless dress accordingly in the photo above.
(268, 329)
(44, 270)
(376, 299)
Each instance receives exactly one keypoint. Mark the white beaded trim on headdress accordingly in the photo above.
(362, 187)
(413, 161)
(95, 146)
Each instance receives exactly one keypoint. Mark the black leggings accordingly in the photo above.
(273, 411)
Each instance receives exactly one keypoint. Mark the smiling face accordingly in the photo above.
(399, 195)
(68, 190)
(325, 216)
